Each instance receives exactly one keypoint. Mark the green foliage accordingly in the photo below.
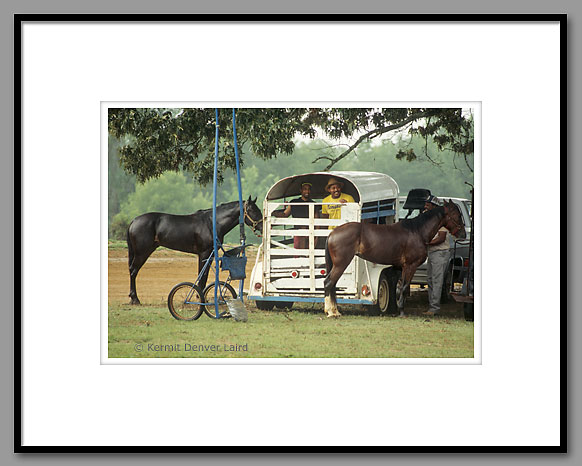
(120, 183)
(168, 193)
(184, 139)
(163, 140)
(441, 172)
(427, 164)
(118, 227)
(438, 171)
(179, 193)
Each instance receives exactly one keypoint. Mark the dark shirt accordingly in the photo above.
(301, 211)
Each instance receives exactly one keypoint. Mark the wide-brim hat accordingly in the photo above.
(333, 181)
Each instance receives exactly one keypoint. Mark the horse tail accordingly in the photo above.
(130, 252)
(328, 261)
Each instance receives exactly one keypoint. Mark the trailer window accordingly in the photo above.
(379, 212)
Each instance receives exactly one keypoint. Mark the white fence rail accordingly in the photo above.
(289, 269)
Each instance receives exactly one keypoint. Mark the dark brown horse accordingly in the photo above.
(402, 244)
(187, 233)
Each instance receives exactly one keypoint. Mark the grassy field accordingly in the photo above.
(150, 332)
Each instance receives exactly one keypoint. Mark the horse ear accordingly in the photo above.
(255, 201)
(249, 199)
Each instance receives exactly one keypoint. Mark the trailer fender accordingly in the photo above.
(374, 272)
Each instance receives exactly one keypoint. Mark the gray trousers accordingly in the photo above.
(438, 262)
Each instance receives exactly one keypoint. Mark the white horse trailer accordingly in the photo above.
(283, 275)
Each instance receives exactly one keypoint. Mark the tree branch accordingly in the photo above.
(375, 133)
(323, 157)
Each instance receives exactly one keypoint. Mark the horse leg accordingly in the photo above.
(330, 307)
(407, 274)
(330, 302)
(201, 262)
(136, 262)
(393, 278)
(329, 284)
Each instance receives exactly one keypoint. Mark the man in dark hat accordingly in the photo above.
(299, 210)
(333, 209)
(431, 202)
(438, 261)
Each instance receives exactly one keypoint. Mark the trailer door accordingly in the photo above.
(292, 271)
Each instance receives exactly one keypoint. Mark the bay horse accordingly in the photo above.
(187, 233)
(402, 244)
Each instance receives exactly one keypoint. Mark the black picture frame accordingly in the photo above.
(21, 19)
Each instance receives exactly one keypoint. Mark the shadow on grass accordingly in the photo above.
(416, 304)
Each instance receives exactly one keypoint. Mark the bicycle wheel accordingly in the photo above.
(225, 291)
(185, 301)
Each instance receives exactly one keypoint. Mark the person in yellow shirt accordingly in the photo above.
(334, 188)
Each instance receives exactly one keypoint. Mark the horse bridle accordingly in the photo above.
(457, 225)
(253, 223)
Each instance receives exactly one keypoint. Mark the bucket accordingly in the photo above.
(237, 310)
(235, 265)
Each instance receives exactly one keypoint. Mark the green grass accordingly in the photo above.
(116, 244)
(301, 333)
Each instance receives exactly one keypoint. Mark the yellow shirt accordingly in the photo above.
(335, 211)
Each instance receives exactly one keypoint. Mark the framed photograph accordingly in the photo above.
(264, 215)
(298, 264)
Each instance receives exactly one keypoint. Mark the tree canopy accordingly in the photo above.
(158, 140)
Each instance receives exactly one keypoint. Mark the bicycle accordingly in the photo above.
(187, 300)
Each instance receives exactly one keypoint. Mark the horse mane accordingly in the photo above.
(209, 210)
(415, 224)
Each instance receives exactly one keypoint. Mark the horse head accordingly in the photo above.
(253, 216)
(454, 220)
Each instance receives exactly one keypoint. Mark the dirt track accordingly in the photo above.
(166, 268)
(161, 272)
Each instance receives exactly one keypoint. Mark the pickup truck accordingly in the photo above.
(410, 207)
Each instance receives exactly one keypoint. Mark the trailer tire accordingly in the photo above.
(386, 303)
(265, 305)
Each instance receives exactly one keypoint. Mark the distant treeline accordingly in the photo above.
(441, 172)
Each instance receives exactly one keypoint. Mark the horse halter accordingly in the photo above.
(458, 225)
(253, 223)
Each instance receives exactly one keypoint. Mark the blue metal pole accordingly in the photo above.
(240, 200)
(216, 279)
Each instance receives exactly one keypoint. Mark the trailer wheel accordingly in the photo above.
(265, 305)
(386, 302)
